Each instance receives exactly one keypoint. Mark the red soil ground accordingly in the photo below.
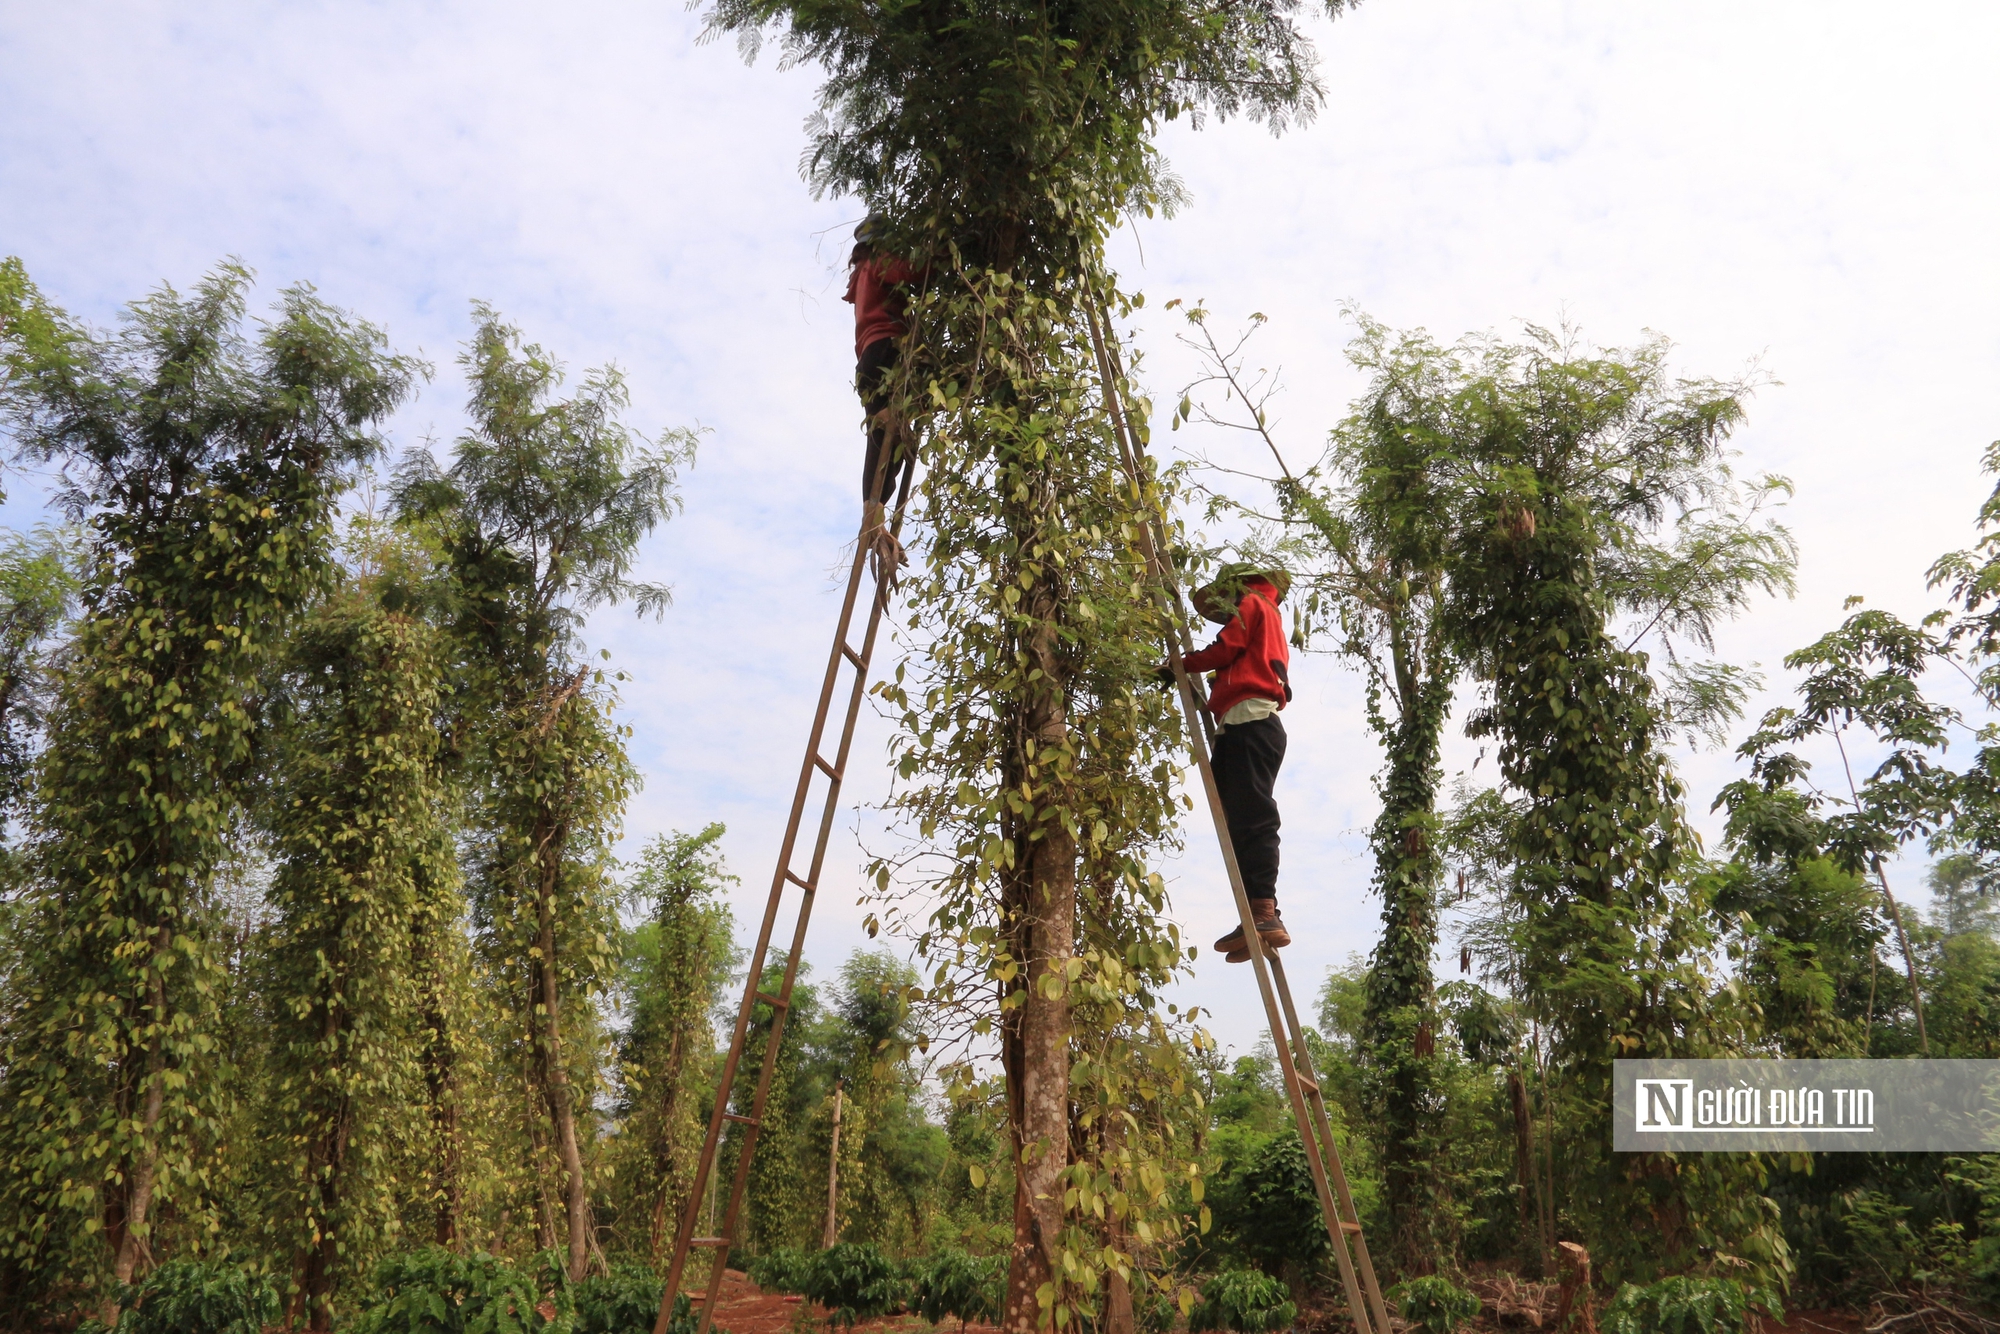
(744, 1308)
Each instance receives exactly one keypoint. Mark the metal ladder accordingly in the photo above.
(1343, 1225)
(815, 763)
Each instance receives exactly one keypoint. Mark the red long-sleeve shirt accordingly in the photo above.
(878, 305)
(1250, 658)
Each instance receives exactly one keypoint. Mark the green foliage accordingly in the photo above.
(1434, 1303)
(1017, 133)
(1032, 753)
(1685, 1304)
(1242, 1300)
(1595, 485)
(626, 1301)
(783, 1269)
(537, 521)
(1281, 1222)
(856, 1283)
(1962, 895)
(674, 969)
(950, 1283)
(40, 578)
(435, 1291)
(354, 819)
(1004, 145)
(208, 464)
(198, 1297)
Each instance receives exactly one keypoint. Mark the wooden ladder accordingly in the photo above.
(1302, 1087)
(816, 766)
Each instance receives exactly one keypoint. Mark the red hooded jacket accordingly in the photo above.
(1250, 658)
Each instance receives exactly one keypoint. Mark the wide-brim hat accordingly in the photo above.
(1217, 599)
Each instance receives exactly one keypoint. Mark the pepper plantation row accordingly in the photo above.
(326, 1001)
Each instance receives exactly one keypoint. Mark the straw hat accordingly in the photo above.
(1217, 599)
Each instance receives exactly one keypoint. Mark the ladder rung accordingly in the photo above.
(1308, 1086)
(807, 887)
(826, 768)
(1350, 1227)
(709, 1241)
(740, 1120)
(852, 656)
(772, 1001)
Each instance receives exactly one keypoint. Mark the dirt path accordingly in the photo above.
(744, 1308)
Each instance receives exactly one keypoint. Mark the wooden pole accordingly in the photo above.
(833, 1173)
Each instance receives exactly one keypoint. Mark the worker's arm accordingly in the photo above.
(1227, 648)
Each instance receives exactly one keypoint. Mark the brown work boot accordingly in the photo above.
(1270, 931)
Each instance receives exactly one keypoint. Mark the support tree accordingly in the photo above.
(207, 463)
(1003, 144)
(1597, 513)
(539, 518)
(355, 824)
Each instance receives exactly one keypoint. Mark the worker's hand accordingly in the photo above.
(1164, 674)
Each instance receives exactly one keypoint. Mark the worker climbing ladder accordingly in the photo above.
(1302, 1088)
(816, 766)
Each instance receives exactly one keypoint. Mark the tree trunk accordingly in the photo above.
(1118, 1316)
(664, 1167)
(1531, 1258)
(440, 1063)
(1401, 1018)
(555, 1086)
(1039, 901)
(545, 1209)
(143, 1172)
(832, 1230)
(324, 1163)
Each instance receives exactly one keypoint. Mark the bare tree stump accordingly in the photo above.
(1575, 1264)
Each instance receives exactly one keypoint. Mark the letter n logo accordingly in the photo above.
(1663, 1104)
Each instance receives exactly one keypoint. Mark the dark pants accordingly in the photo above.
(1246, 762)
(871, 374)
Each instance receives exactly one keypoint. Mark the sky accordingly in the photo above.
(1803, 191)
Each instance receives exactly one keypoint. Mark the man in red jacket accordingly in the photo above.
(1252, 682)
(873, 286)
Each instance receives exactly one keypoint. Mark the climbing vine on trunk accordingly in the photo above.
(356, 828)
(207, 465)
(537, 521)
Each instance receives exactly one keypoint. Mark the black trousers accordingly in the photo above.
(870, 376)
(1246, 762)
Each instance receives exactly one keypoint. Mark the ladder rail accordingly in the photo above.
(1316, 1099)
(1357, 1272)
(685, 1239)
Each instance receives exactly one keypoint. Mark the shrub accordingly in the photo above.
(435, 1291)
(950, 1283)
(1434, 1303)
(783, 1270)
(625, 1302)
(1681, 1305)
(856, 1283)
(196, 1297)
(1242, 1300)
